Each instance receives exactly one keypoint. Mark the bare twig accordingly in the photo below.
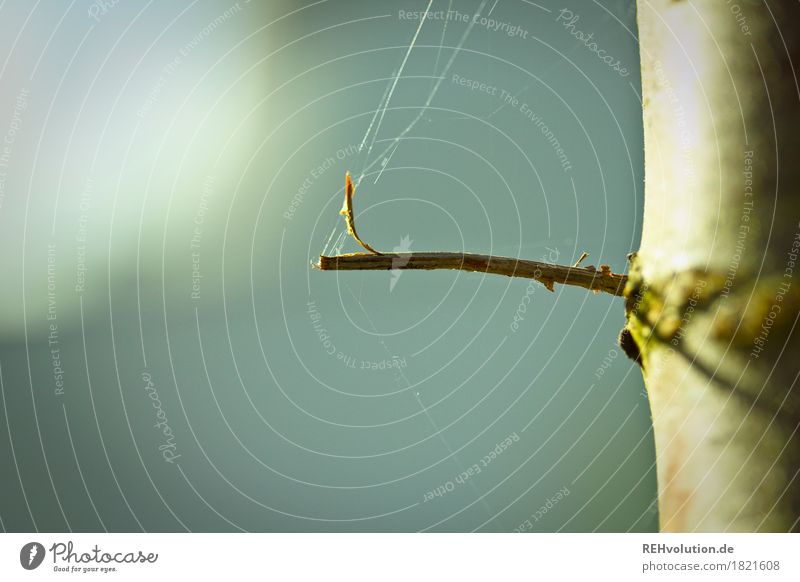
(545, 273)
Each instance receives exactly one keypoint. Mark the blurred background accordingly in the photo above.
(170, 360)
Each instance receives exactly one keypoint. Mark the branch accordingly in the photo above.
(546, 273)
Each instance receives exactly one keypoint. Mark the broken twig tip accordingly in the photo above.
(349, 216)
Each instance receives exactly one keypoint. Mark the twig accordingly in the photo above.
(545, 273)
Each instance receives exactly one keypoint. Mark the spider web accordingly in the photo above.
(373, 129)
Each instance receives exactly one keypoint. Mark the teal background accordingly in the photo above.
(134, 128)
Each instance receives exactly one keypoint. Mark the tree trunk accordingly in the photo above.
(713, 296)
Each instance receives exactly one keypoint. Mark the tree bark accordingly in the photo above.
(712, 297)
